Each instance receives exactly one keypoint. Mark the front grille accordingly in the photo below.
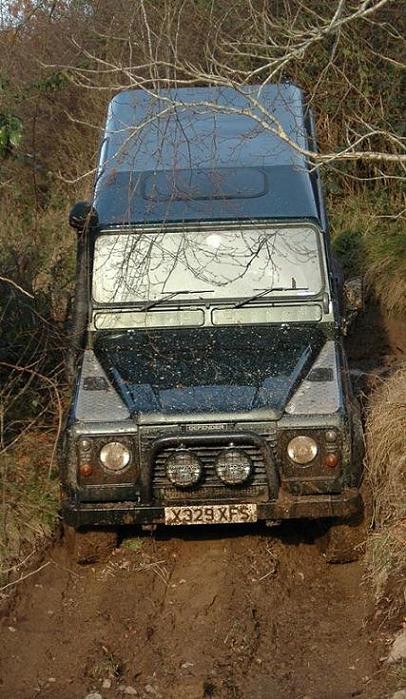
(270, 439)
(210, 487)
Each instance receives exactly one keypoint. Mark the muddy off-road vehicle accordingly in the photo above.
(211, 383)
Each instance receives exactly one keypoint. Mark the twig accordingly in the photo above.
(24, 577)
(51, 383)
(17, 286)
(3, 571)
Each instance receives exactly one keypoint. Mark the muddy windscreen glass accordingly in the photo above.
(229, 264)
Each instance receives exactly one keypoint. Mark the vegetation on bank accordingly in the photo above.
(29, 504)
(59, 66)
(386, 472)
(372, 244)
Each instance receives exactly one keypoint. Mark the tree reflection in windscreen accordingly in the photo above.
(139, 267)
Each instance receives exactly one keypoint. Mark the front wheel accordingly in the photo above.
(89, 545)
(344, 541)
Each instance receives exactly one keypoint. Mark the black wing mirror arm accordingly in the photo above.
(82, 216)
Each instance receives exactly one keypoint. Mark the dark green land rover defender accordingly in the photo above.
(211, 382)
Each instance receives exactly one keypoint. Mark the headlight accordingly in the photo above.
(233, 466)
(114, 456)
(183, 468)
(302, 450)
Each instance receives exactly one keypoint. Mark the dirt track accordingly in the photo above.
(258, 614)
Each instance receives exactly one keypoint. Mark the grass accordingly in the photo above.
(133, 543)
(386, 443)
(105, 665)
(29, 502)
(386, 468)
(398, 674)
(370, 242)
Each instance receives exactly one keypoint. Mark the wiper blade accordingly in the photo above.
(171, 295)
(264, 292)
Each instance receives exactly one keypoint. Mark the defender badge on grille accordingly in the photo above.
(205, 428)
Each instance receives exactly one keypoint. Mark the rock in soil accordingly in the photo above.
(401, 694)
(398, 650)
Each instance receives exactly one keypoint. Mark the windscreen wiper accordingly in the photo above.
(264, 292)
(171, 295)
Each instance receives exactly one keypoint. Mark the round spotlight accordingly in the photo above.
(233, 466)
(331, 436)
(302, 450)
(115, 456)
(183, 468)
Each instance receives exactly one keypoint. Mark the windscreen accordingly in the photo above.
(224, 264)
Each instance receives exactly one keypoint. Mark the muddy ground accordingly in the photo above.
(255, 613)
(245, 613)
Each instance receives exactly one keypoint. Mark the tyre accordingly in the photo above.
(89, 545)
(344, 541)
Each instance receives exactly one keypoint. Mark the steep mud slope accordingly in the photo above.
(255, 614)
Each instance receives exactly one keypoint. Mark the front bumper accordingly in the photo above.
(287, 506)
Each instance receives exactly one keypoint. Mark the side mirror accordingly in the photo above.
(82, 215)
(353, 293)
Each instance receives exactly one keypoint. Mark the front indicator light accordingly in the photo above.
(331, 460)
(302, 450)
(85, 444)
(233, 467)
(183, 469)
(114, 456)
(86, 470)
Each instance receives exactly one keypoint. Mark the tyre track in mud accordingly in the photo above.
(209, 613)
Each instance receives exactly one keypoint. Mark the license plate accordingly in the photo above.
(211, 514)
